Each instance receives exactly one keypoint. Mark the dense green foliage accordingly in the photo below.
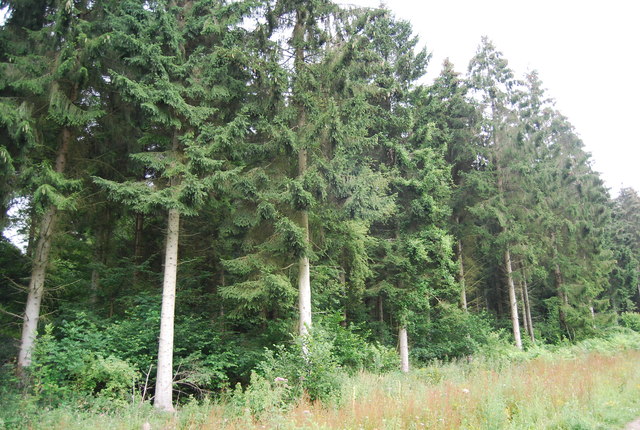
(283, 131)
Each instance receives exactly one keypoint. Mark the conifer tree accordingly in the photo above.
(577, 215)
(624, 290)
(333, 194)
(453, 119)
(495, 85)
(48, 68)
(414, 263)
(184, 71)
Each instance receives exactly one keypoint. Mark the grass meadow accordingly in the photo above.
(588, 386)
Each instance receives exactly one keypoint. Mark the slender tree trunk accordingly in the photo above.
(32, 231)
(404, 348)
(463, 289)
(343, 283)
(562, 295)
(564, 300)
(527, 307)
(523, 309)
(513, 303)
(36, 287)
(39, 265)
(164, 382)
(304, 284)
(304, 275)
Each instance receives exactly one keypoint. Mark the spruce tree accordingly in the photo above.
(494, 85)
(624, 290)
(185, 72)
(47, 63)
(451, 118)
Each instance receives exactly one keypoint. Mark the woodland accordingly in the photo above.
(216, 194)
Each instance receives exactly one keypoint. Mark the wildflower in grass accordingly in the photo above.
(280, 379)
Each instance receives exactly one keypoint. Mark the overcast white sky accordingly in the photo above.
(586, 52)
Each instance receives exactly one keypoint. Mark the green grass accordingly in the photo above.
(592, 385)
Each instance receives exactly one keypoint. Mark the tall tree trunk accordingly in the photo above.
(523, 309)
(304, 275)
(562, 295)
(527, 307)
(40, 263)
(513, 303)
(31, 241)
(343, 283)
(404, 348)
(164, 382)
(463, 289)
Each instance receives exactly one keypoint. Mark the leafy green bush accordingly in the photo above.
(110, 377)
(84, 356)
(307, 367)
(631, 320)
(353, 352)
(66, 369)
(453, 333)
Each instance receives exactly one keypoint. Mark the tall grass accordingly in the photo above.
(593, 385)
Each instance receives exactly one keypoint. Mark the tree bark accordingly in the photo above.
(404, 349)
(304, 275)
(513, 303)
(562, 295)
(523, 309)
(343, 283)
(164, 382)
(527, 307)
(463, 290)
(39, 265)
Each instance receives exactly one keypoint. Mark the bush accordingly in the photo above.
(109, 377)
(453, 333)
(67, 370)
(631, 320)
(353, 352)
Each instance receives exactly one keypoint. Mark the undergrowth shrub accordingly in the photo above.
(452, 333)
(313, 367)
(115, 359)
(109, 377)
(308, 366)
(352, 349)
(631, 320)
(65, 370)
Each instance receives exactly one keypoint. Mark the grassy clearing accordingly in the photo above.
(589, 386)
